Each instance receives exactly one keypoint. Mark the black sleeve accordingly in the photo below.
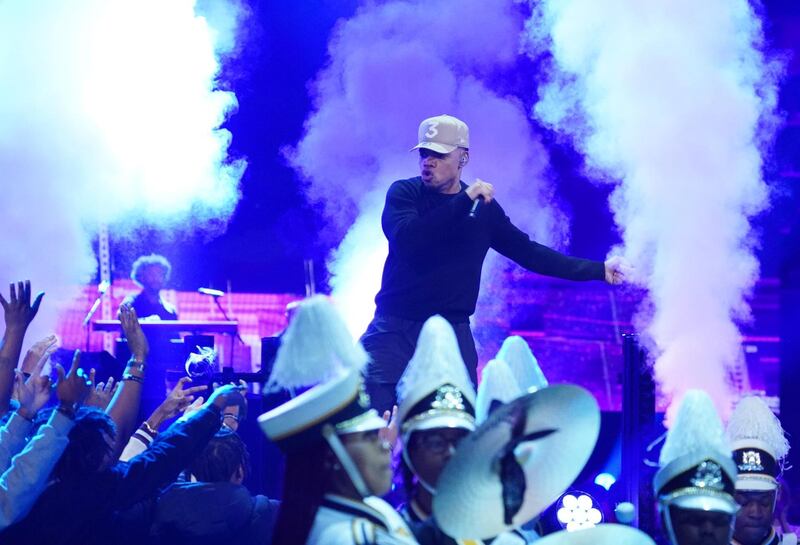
(160, 464)
(508, 240)
(409, 232)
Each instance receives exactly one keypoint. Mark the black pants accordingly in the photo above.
(390, 342)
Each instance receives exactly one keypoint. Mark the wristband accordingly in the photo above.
(134, 378)
(133, 363)
(67, 411)
(149, 429)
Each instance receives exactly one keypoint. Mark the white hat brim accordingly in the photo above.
(435, 146)
(371, 420)
(760, 485)
(441, 421)
(469, 503)
(701, 502)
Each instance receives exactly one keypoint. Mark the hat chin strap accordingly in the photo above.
(430, 488)
(347, 462)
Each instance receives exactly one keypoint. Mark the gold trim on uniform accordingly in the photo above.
(691, 491)
(353, 422)
(430, 413)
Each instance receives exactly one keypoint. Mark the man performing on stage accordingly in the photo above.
(439, 231)
(151, 273)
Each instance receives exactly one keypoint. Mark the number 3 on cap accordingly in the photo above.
(432, 130)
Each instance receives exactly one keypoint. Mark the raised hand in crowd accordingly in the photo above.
(392, 430)
(19, 312)
(26, 476)
(41, 350)
(124, 406)
(176, 402)
(225, 396)
(101, 393)
(32, 393)
(137, 342)
(72, 388)
(194, 406)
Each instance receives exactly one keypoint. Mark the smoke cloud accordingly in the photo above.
(109, 115)
(391, 66)
(675, 100)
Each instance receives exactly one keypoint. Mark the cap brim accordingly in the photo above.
(433, 146)
(469, 500)
(442, 421)
(602, 534)
(762, 485)
(369, 421)
(702, 502)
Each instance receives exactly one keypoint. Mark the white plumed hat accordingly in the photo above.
(435, 389)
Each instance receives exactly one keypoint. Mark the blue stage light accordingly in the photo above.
(578, 510)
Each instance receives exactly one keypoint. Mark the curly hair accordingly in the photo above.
(224, 454)
(88, 447)
(147, 261)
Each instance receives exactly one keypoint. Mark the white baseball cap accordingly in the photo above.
(442, 134)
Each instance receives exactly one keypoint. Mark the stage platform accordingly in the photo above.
(574, 329)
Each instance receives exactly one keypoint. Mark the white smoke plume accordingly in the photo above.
(108, 114)
(675, 100)
(391, 66)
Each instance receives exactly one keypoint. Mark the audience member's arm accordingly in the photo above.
(177, 400)
(24, 481)
(12, 438)
(32, 394)
(139, 442)
(18, 314)
(38, 353)
(124, 405)
(171, 452)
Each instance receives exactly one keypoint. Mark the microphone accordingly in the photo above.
(102, 288)
(211, 292)
(476, 204)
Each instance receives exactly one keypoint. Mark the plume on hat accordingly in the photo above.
(523, 364)
(497, 385)
(436, 361)
(753, 419)
(316, 346)
(697, 428)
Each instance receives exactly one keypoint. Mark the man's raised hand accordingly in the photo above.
(19, 312)
(179, 398)
(73, 387)
(101, 393)
(32, 394)
(37, 354)
(137, 342)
